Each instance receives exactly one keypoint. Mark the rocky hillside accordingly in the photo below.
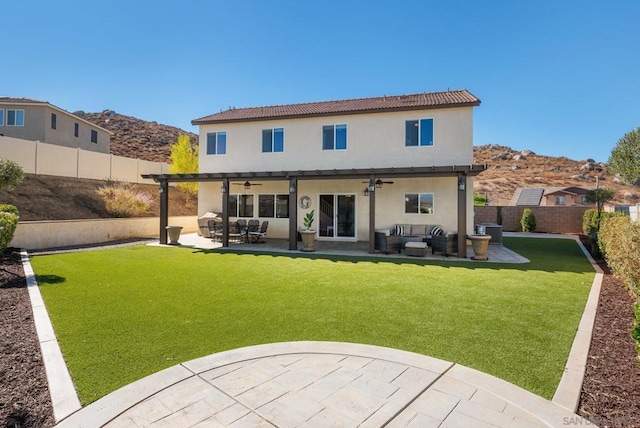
(507, 170)
(136, 138)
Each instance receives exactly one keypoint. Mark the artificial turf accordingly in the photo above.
(121, 314)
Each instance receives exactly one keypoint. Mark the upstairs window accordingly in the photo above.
(273, 140)
(54, 120)
(94, 136)
(334, 137)
(1, 117)
(418, 203)
(76, 130)
(15, 117)
(419, 132)
(216, 143)
(560, 200)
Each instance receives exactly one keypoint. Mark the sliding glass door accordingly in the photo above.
(337, 217)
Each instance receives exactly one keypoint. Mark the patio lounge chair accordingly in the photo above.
(259, 234)
(447, 244)
(387, 243)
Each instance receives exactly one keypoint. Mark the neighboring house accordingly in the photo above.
(361, 164)
(550, 196)
(35, 120)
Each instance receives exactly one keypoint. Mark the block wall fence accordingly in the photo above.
(548, 219)
(49, 159)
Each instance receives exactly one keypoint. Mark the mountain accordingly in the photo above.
(507, 169)
(137, 138)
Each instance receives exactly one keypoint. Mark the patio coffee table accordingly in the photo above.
(416, 249)
(411, 238)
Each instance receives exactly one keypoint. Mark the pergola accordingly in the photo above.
(461, 172)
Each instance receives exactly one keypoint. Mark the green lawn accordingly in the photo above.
(122, 314)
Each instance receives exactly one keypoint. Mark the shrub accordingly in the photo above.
(8, 223)
(528, 220)
(123, 200)
(11, 174)
(619, 241)
(590, 221)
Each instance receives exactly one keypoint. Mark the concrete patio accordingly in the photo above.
(320, 384)
(496, 253)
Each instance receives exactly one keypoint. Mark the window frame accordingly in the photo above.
(1, 117)
(334, 136)
(235, 208)
(54, 121)
(76, 129)
(273, 144)
(15, 117)
(420, 123)
(419, 196)
(561, 200)
(219, 144)
(94, 136)
(279, 200)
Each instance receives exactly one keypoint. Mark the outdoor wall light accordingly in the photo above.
(379, 183)
(461, 183)
(223, 190)
(366, 191)
(292, 188)
(247, 185)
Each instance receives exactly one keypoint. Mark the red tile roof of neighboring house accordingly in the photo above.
(427, 100)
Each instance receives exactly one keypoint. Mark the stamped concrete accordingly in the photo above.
(319, 384)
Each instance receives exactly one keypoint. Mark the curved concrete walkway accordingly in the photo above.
(319, 384)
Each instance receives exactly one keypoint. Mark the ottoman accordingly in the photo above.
(416, 249)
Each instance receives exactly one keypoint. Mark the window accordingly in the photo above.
(418, 203)
(559, 200)
(273, 140)
(1, 117)
(76, 129)
(240, 205)
(584, 200)
(15, 117)
(273, 206)
(94, 136)
(419, 132)
(216, 143)
(334, 137)
(54, 119)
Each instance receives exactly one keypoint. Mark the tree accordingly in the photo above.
(11, 174)
(528, 220)
(599, 197)
(625, 157)
(480, 200)
(184, 158)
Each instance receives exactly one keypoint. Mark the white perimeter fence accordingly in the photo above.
(49, 159)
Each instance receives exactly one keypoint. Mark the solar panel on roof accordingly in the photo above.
(530, 197)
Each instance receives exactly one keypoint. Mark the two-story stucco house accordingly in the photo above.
(360, 164)
(35, 120)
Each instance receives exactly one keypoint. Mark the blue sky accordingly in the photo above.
(561, 78)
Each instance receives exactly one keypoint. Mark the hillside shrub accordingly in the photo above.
(528, 220)
(123, 200)
(8, 222)
(11, 174)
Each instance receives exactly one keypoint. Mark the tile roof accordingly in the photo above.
(457, 98)
(10, 100)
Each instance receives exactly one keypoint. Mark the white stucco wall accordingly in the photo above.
(373, 141)
(389, 202)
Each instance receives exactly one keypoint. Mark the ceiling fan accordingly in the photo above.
(379, 183)
(247, 185)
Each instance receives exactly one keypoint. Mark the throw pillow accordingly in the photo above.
(399, 230)
(436, 231)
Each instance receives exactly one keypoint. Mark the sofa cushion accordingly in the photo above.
(399, 229)
(419, 229)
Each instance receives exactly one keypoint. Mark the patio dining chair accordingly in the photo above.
(215, 229)
(235, 233)
(253, 225)
(259, 234)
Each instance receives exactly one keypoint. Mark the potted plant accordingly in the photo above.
(308, 234)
